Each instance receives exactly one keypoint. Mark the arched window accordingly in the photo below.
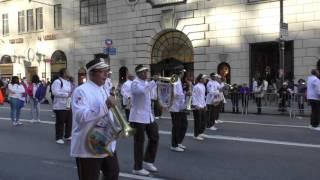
(171, 47)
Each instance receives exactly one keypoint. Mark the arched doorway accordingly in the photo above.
(6, 66)
(171, 47)
(82, 76)
(59, 60)
(224, 71)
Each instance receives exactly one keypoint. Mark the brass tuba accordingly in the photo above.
(165, 90)
(101, 134)
(172, 79)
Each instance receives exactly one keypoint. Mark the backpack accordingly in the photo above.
(29, 90)
(40, 92)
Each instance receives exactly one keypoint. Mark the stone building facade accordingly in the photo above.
(237, 38)
(36, 37)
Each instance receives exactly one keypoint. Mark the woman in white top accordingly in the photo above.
(16, 91)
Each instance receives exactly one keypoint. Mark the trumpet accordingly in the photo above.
(101, 135)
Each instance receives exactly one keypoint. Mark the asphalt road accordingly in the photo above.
(243, 148)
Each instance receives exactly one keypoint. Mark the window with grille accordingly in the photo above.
(30, 24)
(21, 22)
(57, 16)
(5, 24)
(93, 12)
(39, 18)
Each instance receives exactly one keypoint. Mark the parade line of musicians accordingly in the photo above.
(91, 107)
(92, 102)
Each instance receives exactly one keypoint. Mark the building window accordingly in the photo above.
(39, 19)
(21, 22)
(5, 24)
(258, 1)
(57, 16)
(30, 26)
(93, 11)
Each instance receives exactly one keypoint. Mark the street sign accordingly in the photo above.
(284, 31)
(110, 51)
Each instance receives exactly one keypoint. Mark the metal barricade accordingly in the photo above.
(299, 106)
(269, 103)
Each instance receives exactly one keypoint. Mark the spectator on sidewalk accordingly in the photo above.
(259, 94)
(245, 93)
(234, 93)
(35, 104)
(300, 91)
(16, 100)
(61, 90)
(285, 96)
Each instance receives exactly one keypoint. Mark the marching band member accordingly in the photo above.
(212, 101)
(91, 103)
(126, 95)
(199, 105)
(142, 120)
(178, 113)
(61, 90)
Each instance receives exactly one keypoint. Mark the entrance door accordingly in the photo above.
(31, 71)
(264, 60)
(166, 67)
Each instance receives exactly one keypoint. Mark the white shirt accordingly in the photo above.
(313, 88)
(126, 92)
(154, 93)
(60, 94)
(213, 88)
(178, 102)
(199, 95)
(108, 85)
(141, 101)
(16, 91)
(88, 107)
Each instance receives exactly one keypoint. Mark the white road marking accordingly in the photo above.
(29, 121)
(253, 140)
(27, 109)
(132, 176)
(253, 123)
(122, 174)
(220, 137)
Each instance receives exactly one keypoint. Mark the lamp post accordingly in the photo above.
(45, 67)
(281, 44)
